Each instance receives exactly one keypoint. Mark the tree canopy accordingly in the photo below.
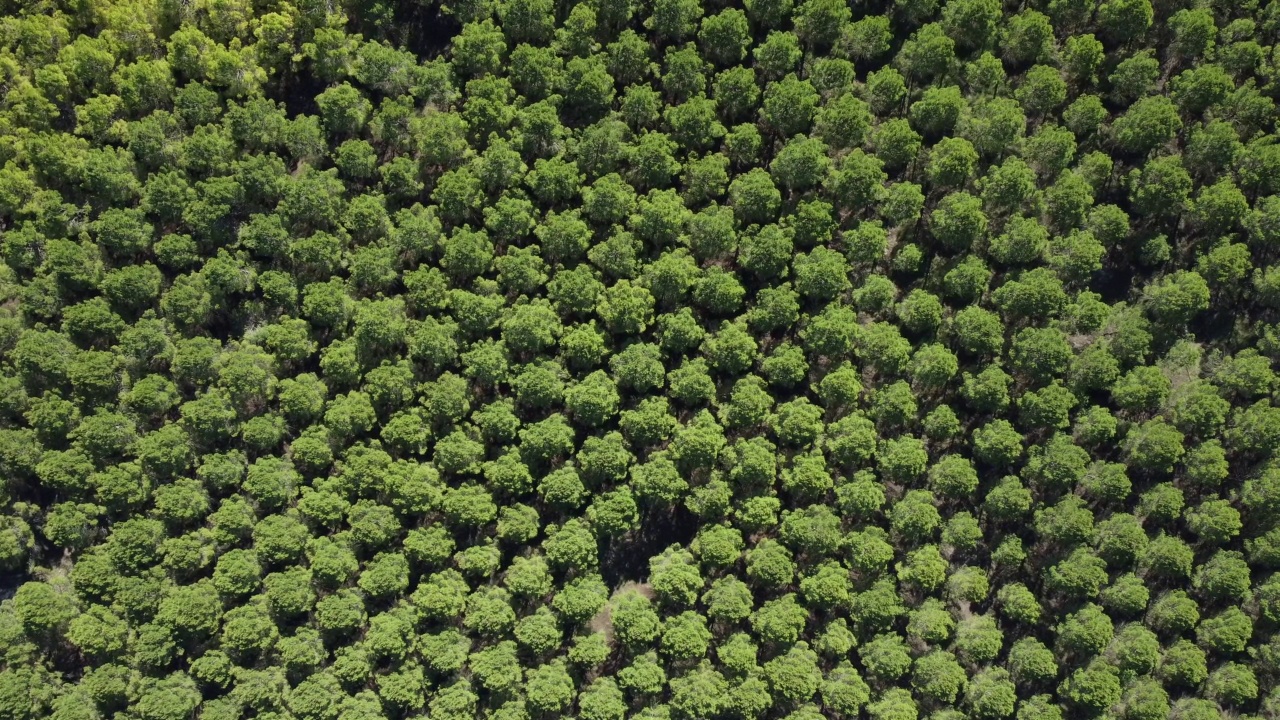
(515, 359)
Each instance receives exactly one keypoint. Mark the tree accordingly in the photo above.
(685, 636)
(1232, 684)
(991, 124)
(1125, 19)
(602, 700)
(550, 687)
(1154, 446)
(1042, 90)
(951, 162)
(953, 476)
(1183, 664)
(1019, 603)
(1173, 613)
(894, 704)
(1225, 633)
(1126, 596)
(594, 400)
(674, 576)
(1031, 662)
(990, 694)
(1214, 521)
(924, 568)
(725, 36)
(1120, 540)
(790, 105)
(938, 676)
(1147, 124)
(997, 443)
(1161, 186)
(1093, 688)
(927, 52)
(801, 164)
(958, 220)
(699, 693)
(674, 19)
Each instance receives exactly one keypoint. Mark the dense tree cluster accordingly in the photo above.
(516, 359)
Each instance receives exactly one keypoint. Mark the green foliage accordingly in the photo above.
(666, 361)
